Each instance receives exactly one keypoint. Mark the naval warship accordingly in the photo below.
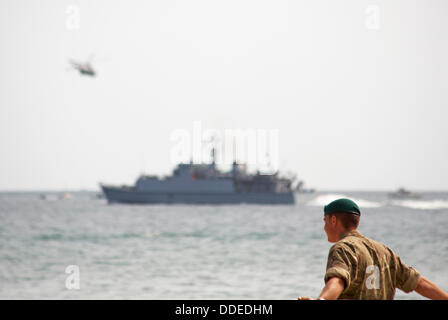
(205, 184)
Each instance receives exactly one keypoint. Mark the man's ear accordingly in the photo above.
(333, 220)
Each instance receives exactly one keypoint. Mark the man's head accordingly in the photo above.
(340, 216)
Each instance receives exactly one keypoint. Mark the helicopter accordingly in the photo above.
(83, 68)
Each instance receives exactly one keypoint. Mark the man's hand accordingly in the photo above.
(332, 290)
(305, 298)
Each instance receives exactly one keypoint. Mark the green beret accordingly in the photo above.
(342, 205)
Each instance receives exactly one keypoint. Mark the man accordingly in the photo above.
(361, 268)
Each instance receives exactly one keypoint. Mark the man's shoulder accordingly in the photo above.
(346, 244)
(350, 240)
(355, 241)
(377, 245)
(358, 242)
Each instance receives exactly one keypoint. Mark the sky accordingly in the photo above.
(357, 89)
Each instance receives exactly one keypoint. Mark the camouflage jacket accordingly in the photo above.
(369, 269)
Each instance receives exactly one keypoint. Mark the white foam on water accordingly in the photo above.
(422, 205)
(324, 199)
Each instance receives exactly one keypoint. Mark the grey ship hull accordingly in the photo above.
(124, 195)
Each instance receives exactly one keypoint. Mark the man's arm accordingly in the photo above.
(333, 289)
(337, 276)
(430, 290)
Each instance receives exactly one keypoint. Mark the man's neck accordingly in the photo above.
(344, 233)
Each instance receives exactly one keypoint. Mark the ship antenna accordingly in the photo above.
(234, 150)
(213, 155)
(213, 151)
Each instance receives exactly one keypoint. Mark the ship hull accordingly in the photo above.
(121, 195)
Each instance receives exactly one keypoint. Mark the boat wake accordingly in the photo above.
(422, 205)
(324, 199)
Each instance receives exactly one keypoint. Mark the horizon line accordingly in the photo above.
(316, 190)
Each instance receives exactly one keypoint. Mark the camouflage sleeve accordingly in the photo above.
(339, 264)
(406, 277)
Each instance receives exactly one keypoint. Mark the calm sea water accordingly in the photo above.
(199, 252)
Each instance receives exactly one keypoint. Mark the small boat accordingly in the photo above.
(402, 193)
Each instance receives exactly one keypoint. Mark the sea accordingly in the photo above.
(77, 246)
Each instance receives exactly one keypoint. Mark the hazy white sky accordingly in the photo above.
(356, 107)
